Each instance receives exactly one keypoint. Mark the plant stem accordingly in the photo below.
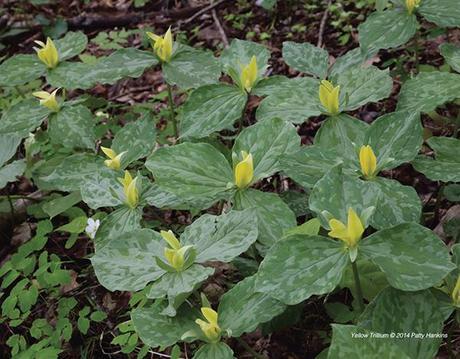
(249, 349)
(359, 291)
(417, 50)
(172, 111)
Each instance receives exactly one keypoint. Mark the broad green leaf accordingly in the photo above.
(75, 226)
(397, 203)
(8, 145)
(361, 85)
(446, 166)
(214, 350)
(451, 54)
(221, 238)
(136, 138)
(267, 4)
(336, 192)
(350, 341)
(295, 103)
(61, 204)
(72, 75)
(274, 216)
(306, 57)
(199, 171)
(429, 90)
(102, 189)
(344, 135)
(309, 164)
(72, 44)
(310, 228)
(396, 138)
(444, 13)
(12, 170)
(20, 69)
(22, 118)
(127, 262)
(191, 68)
(69, 173)
(73, 126)
(120, 221)
(157, 330)
(240, 52)
(372, 279)
(210, 109)
(411, 256)
(242, 309)
(351, 59)
(156, 196)
(394, 311)
(277, 84)
(301, 266)
(387, 29)
(267, 141)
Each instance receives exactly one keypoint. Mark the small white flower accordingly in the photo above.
(92, 227)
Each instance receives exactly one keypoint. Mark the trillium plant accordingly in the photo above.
(272, 219)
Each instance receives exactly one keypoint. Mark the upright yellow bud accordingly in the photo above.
(368, 162)
(48, 99)
(114, 161)
(210, 328)
(48, 53)
(244, 171)
(176, 254)
(412, 5)
(456, 293)
(163, 45)
(130, 190)
(350, 233)
(248, 75)
(329, 97)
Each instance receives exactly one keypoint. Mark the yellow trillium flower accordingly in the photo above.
(411, 5)
(48, 99)
(114, 161)
(163, 45)
(248, 75)
(210, 328)
(48, 54)
(244, 171)
(176, 254)
(130, 190)
(350, 233)
(456, 293)
(329, 97)
(368, 162)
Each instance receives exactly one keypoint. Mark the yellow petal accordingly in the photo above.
(355, 227)
(109, 152)
(126, 180)
(41, 94)
(244, 171)
(169, 237)
(338, 230)
(329, 97)
(132, 194)
(169, 254)
(249, 73)
(368, 161)
(152, 36)
(456, 293)
(168, 45)
(210, 315)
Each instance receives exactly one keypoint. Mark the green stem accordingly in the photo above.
(417, 50)
(250, 350)
(172, 111)
(359, 291)
(437, 205)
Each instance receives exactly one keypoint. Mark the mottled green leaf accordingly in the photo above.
(102, 189)
(20, 69)
(61, 204)
(156, 196)
(353, 58)
(306, 57)
(444, 13)
(221, 238)
(451, 54)
(301, 266)
(127, 262)
(429, 90)
(8, 145)
(214, 350)
(276, 84)
(240, 52)
(211, 109)
(12, 170)
(73, 126)
(199, 171)
(72, 44)
(267, 141)
(273, 214)
(242, 309)
(411, 256)
(386, 29)
(22, 118)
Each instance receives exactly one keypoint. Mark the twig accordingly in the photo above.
(323, 24)
(201, 12)
(222, 33)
